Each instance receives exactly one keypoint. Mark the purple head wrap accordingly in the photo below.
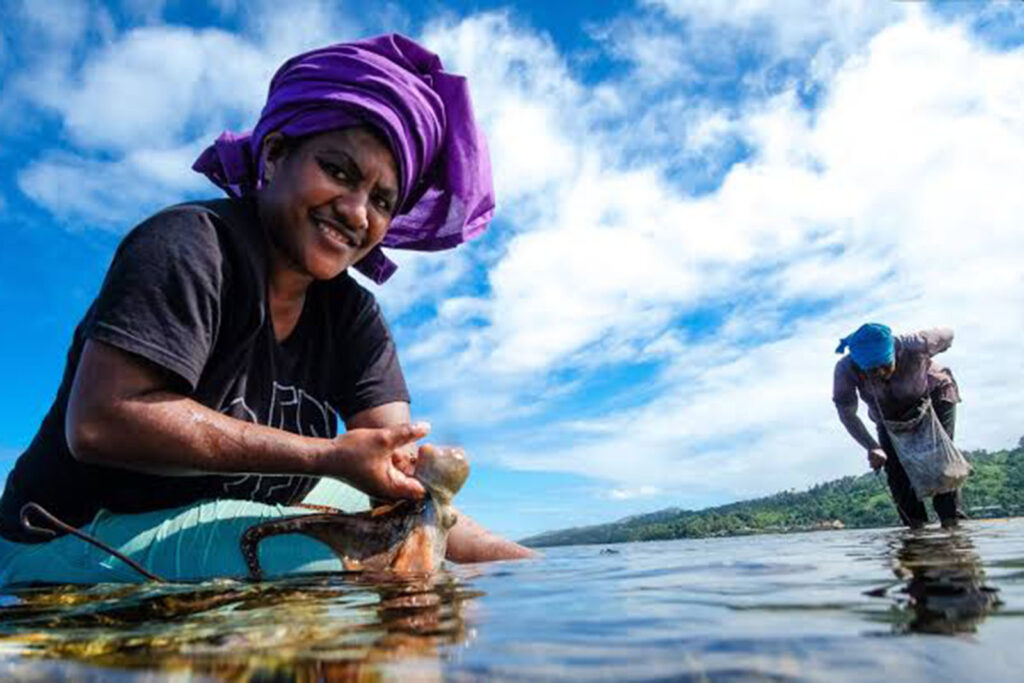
(400, 88)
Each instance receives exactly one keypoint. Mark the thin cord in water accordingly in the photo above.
(53, 521)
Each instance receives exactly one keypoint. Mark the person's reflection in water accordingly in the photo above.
(945, 589)
(319, 628)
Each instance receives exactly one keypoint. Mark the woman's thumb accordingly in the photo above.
(409, 487)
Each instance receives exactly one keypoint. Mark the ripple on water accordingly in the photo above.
(845, 605)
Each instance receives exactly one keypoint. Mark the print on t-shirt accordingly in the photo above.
(292, 410)
(186, 291)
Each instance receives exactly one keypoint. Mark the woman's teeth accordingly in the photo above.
(335, 235)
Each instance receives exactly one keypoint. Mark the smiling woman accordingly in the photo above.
(328, 199)
(204, 386)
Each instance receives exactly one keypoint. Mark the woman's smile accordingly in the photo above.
(329, 198)
(337, 234)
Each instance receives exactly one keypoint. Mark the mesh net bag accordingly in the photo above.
(932, 463)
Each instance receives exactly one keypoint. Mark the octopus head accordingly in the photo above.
(442, 470)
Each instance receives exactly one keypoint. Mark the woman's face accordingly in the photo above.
(327, 199)
(883, 372)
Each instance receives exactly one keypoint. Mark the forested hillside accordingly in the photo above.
(995, 489)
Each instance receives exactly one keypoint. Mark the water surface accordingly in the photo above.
(857, 605)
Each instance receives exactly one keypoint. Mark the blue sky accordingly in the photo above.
(696, 200)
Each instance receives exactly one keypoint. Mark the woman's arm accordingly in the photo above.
(126, 412)
(467, 541)
(929, 342)
(855, 426)
(860, 433)
(844, 397)
(470, 542)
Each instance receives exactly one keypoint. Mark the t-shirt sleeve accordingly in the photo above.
(928, 342)
(372, 375)
(161, 297)
(844, 386)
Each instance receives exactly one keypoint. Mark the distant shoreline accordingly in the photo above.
(994, 490)
(530, 541)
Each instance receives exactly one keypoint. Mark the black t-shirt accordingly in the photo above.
(187, 291)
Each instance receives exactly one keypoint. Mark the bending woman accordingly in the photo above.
(894, 374)
(204, 386)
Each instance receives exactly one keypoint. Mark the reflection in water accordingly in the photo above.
(944, 589)
(334, 628)
(782, 607)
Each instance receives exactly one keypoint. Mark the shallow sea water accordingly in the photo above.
(861, 605)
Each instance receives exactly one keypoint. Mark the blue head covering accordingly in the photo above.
(871, 346)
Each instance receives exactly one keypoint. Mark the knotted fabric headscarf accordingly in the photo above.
(400, 88)
(871, 346)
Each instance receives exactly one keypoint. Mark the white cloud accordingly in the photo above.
(62, 21)
(522, 93)
(894, 200)
(418, 279)
(111, 194)
(629, 494)
(137, 107)
(789, 26)
(165, 81)
(695, 65)
(46, 40)
(284, 30)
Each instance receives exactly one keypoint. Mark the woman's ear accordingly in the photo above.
(271, 155)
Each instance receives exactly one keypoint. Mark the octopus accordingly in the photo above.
(407, 537)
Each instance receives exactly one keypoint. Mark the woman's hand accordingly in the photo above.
(372, 460)
(877, 458)
(124, 412)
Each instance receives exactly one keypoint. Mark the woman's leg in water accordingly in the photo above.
(947, 505)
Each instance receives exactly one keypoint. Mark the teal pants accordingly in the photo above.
(191, 543)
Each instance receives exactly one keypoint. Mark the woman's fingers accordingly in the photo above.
(378, 463)
(404, 461)
(876, 458)
(400, 435)
(405, 486)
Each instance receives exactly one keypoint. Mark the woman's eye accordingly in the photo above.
(384, 205)
(333, 170)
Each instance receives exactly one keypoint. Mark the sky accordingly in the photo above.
(696, 200)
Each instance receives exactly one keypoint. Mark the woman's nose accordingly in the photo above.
(351, 208)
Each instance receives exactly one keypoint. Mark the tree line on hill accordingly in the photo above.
(994, 489)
